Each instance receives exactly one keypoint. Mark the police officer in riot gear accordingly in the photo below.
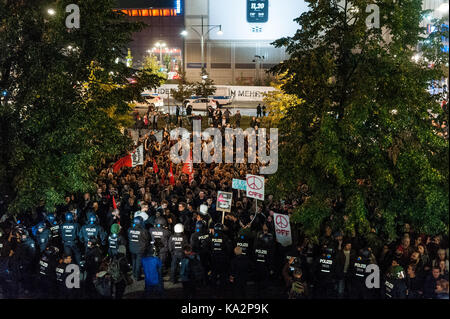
(201, 244)
(138, 241)
(325, 274)
(160, 236)
(358, 288)
(245, 243)
(92, 230)
(43, 236)
(53, 225)
(264, 262)
(203, 213)
(115, 240)
(61, 274)
(93, 260)
(47, 271)
(394, 284)
(176, 243)
(220, 257)
(69, 234)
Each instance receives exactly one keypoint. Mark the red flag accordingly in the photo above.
(188, 168)
(172, 179)
(123, 162)
(114, 203)
(155, 167)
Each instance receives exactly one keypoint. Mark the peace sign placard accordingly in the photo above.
(255, 186)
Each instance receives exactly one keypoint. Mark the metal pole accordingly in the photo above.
(203, 51)
(160, 55)
(203, 46)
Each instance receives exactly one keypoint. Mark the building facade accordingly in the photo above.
(239, 54)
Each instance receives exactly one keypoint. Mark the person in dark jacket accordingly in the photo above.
(188, 282)
(69, 234)
(43, 236)
(138, 240)
(239, 273)
(429, 288)
(344, 266)
(115, 240)
(120, 284)
(176, 243)
(414, 283)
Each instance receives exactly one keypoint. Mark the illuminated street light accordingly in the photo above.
(160, 45)
(184, 33)
(51, 12)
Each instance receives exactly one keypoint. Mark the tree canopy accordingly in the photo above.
(365, 138)
(67, 97)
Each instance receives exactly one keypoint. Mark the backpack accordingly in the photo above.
(196, 272)
(114, 270)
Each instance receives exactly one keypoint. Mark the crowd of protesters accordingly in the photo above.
(152, 220)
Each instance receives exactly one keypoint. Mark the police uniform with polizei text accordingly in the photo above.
(246, 245)
(138, 241)
(358, 288)
(394, 286)
(201, 244)
(160, 236)
(63, 292)
(220, 258)
(325, 274)
(53, 225)
(43, 237)
(47, 271)
(92, 230)
(114, 241)
(176, 243)
(264, 261)
(69, 234)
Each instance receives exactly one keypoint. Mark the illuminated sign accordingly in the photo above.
(178, 6)
(257, 11)
(266, 20)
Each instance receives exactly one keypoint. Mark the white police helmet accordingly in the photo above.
(203, 209)
(179, 228)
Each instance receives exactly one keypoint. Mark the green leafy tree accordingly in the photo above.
(151, 66)
(67, 98)
(167, 61)
(364, 139)
(205, 87)
(184, 90)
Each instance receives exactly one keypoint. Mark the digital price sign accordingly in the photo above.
(257, 11)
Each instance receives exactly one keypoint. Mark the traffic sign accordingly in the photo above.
(282, 229)
(255, 186)
(224, 201)
(239, 184)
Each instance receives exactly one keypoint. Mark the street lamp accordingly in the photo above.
(160, 46)
(51, 12)
(204, 31)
